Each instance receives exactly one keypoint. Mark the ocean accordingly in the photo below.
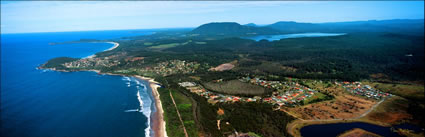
(50, 103)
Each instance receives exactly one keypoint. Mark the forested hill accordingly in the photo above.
(231, 29)
(406, 26)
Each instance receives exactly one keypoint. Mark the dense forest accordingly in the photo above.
(353, 56)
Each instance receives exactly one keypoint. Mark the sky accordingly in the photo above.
(58, 16)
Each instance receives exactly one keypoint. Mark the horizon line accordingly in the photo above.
(260, 25)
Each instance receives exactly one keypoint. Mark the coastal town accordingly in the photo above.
(294, 93)
(285, 93)
(357, 88)
(93, 62)
(171, 67)
(164, 68)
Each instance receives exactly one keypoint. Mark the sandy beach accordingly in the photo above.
(158, 122)
(158, 119)
(115, 46)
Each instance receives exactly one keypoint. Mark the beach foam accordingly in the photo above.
(132, 110)
(145, 103)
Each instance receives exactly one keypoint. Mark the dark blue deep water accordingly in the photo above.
(49, 103)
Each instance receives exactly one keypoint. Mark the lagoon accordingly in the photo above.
(287, 36)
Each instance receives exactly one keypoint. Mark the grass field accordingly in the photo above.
(185, 108)
(163, 46)
(147, 43)
(316, 97)
(201, 43)
(173, 124)
(235, 87)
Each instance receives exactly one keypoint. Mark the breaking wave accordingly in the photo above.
(145, 101)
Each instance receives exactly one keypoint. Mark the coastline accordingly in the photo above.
(113, 47)
(158, 122)
(158, 119)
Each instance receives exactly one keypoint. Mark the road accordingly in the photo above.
(178, 113)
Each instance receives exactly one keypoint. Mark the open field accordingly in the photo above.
(357, 132)
(235, 87)
(316, 98)
(391, 111)
(342, 107)
(163, 46)
(225, 66)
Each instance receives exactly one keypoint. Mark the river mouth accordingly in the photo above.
(295, 35)
(333, 130)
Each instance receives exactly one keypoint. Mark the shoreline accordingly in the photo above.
(113, 47)
(157, 120)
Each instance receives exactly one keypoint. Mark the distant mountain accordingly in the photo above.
(232, 29)
(405, 26)
(411, 26)
(294, 27)
(251, 25)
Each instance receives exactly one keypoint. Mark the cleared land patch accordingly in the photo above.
(391, 111)
(357, 132)
(162, 46)
(342, 107)
(235, 87)
(225, 66)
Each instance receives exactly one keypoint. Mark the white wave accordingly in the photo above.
(132, 110)
(126, 78)
(140, 101)
(145, 104)
(43, 70)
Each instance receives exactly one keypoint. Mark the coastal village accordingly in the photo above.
(93, 62)
(162, 68)
(285, 93)
(171, 67)
(357, 88)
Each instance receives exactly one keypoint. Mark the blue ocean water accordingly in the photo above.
(49, 103)
(287, 36)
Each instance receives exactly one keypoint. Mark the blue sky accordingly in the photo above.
(45, 16)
